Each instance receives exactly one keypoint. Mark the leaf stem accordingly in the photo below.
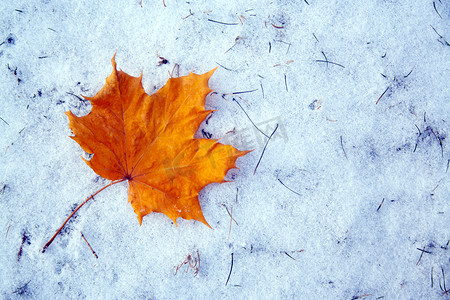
(76, 209)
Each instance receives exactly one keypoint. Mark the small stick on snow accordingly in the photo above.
(229, 212)
(423, 251)
(251, 119)
(191, 262)
(224, 67)
(330, 62)
(89, 245)
(288, 255)
(7, 230)
(379, 206)
(440, 36)
(265, 146)
(231, 222)
(4, 121)
(243, 92)
(315, 37)
(235, 41)
(432, 192)
(277, 27)
(231, 269)
(434, 5)
(342, 145)
(326, 59)
(285, 83)
(432, 282)
(439, 140)
(408, 73)
(79, 98)
(382, 95)
(288, 187)
(444, 290)
(418, 129)
(21, 290)
(24, 239)
(190, 14)
(223, 23)
(289, 47)
(362, 296)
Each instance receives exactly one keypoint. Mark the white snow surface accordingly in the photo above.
(350, 199)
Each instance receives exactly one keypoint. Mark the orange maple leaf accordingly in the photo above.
(149, 141)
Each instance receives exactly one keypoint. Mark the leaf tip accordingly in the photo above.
(208, 74)
(206, 223)
(113, 60)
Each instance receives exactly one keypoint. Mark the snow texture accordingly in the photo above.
(350, 199)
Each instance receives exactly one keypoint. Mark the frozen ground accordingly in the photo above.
(350, 200)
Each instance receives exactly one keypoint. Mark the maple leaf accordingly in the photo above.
(149, 141)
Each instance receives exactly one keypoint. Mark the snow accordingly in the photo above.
(350, 199)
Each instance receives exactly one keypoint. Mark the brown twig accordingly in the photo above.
(277, 27)
(177, 67)
(190, 14)
(191, 262)
(24, 239)
(89, 245)
(7, 230)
